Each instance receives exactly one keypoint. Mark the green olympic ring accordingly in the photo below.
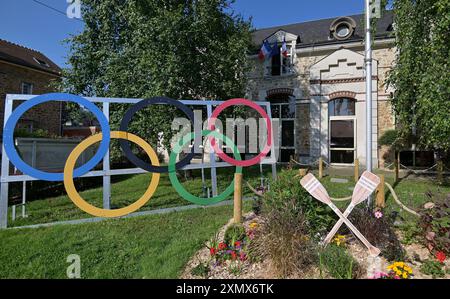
(173, 175)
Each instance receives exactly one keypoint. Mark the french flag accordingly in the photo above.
(284, 49)
(265, 51)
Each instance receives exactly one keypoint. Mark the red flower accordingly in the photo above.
(440, 256)
(233, 255)
(243, 256)
(222, 246)
(212, 251)
(237, 244)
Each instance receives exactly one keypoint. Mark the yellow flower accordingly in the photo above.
(405, 275)
(339, 239)
(253, 225)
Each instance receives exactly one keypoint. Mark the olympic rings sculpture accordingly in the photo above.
(124, 138)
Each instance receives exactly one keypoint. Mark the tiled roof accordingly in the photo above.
(318, 32)
(20, 55)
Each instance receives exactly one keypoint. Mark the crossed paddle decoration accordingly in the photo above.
(365, 186)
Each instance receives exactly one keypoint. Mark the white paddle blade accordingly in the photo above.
(315, 188)
(366, 185)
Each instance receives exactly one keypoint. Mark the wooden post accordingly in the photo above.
(397, 165)
(320, 167)
(356, 170)
(291, 162)
(440, 170)
(380, 201)
(302, 172)
(237, 198)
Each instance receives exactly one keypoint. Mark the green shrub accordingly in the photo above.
(435, 224)
(411, 232)
(388, 138)
(433, 268)
(39, 133)
(287, 190)
(392, 139)
(338, 262)
(233, 233)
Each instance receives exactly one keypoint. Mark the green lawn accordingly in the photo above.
(125, 192)
(156, 246)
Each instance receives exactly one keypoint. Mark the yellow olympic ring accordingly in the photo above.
(88, 208)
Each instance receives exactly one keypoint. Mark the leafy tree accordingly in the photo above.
(183, 49)
(420, 76)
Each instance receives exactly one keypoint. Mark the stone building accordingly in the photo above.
(26, 71)
(318, 90)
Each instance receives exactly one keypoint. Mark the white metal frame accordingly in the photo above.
(355, 142)
(107, 172)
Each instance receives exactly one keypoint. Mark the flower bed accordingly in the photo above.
(282, 241)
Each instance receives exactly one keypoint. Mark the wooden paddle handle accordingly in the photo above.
(338, 224)
(372, 249)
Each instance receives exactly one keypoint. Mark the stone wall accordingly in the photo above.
(46, 116)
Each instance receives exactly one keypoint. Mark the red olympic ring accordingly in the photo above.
(220, 153)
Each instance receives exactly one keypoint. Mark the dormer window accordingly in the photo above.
(41, 62)
(281, 62)
(278, 53)
(342, 28)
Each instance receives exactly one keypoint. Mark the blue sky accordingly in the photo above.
(35, 26)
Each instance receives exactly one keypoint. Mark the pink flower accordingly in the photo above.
(378, 214)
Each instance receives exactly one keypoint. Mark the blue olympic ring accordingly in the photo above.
(8, 136)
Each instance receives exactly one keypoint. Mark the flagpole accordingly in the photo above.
(368, 62)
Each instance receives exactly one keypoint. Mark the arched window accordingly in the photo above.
(341, 107)
(342, 122)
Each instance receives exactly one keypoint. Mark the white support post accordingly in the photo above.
(5, 172)
(24, 198)
(106, 169)
(273, 155)
(368, 59)
(212, 158)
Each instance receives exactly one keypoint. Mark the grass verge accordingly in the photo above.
(156, 246)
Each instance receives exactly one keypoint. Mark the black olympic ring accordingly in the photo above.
(126, 149)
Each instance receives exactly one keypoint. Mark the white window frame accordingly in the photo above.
(355, 142)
